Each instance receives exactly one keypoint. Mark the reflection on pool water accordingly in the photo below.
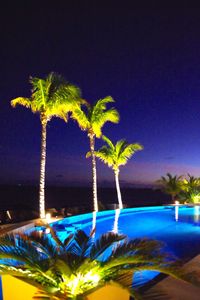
(177, 226)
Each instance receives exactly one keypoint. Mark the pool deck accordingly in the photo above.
(22, 226)
(174, 289)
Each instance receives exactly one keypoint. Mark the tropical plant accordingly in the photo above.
(191, 183)
(192, 196)
(51, 97)
(79, 265)
(92, 119)
(172, 185)
(115, 156)
(190, 190)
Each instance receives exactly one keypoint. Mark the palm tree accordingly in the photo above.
(190, 189)
(172, 185)
(79, 265)
(51, 97)
(191, 183)
(92, 120)
(115, 156)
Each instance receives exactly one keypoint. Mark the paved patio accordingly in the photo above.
(174, 289)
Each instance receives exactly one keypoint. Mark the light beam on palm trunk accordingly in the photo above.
(115, 225)
(42, 168)
(94, 172)
(119, 196)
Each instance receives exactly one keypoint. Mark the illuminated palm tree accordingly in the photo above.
(77, 266)
(172, 185)
(190, 189)
(92, 120)
(51, 97)
(115, 156)
(191, 183)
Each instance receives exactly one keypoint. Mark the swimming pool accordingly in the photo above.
(178, 227)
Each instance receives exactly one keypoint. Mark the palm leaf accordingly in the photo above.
(80, 116)
(109, 142)
(103, 243)
(21, 101)
(116, 155)
(99, 118)
(51, 96)
(83, 243)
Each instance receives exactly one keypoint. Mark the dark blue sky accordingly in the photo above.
(147, 58)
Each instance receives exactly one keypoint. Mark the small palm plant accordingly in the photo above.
(92, 120)
(172, 185)
(79, 265)
(51, 97)
(190, 190)
(115, 156)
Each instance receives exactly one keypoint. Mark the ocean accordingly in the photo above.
(24, 199)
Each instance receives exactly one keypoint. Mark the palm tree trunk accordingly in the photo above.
(42, 168)
(115, 225)
(118, 189)
(94, 173)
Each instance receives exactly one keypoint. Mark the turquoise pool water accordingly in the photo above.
(178, 227)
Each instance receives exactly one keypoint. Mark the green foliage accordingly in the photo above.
(190, 192)
(52, 96)
(116, 155)
(172, 185)
(186, 190)
(78, 266)
(93, 118)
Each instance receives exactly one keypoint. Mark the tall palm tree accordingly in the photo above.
(92, 120)
(51, 97)
(79, 265)
(172, 185)
(115, 156)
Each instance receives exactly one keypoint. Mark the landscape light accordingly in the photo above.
(48, 217)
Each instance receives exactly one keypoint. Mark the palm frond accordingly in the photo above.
(45, 243)
(83, 241)
(99, 118)
(145, 247)
(26, 102)
(171, 184)
(125, 151)
(103, 243)
(106, 155)
(101, 104)
(81, 117)
(116, 155)
(108, 141)
(52, 96)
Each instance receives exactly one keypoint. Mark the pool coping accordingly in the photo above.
(175, 289)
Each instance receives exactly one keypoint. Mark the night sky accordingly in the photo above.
(146, 57)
